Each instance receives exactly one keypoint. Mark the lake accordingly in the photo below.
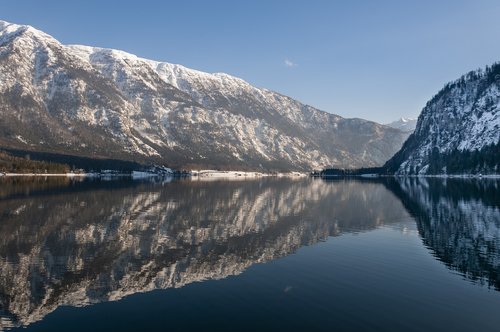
(272, 254)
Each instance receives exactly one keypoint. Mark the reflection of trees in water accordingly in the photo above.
(24, 185)
(108, 241)
(459, 220)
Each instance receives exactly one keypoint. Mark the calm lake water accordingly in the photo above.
(260, 255)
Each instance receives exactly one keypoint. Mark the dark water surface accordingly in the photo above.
(261, 255)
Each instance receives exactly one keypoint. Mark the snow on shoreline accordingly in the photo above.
(238, 175)
(214, 174)
(46, 174)
(450, 176)
(198, 174)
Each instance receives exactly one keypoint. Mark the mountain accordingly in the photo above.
(107, 104)
(458, 131)
(404, 124)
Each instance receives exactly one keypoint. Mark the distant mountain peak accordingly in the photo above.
(402, 119)
(404, 124)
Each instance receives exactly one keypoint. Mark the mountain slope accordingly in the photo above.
(458, 130)
(103, 103)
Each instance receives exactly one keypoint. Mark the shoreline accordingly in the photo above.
(214, 175)
(201, 174)
(440, 176)
(44, 174)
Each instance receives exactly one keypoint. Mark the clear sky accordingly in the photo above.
(377, 60)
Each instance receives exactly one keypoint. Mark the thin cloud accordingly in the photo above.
(290, 64)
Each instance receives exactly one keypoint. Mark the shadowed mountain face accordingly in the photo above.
(93, 102)
(101, 242)
(459, 220)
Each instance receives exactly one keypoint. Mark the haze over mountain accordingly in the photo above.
(103, 103)
(458, 131)
(404, 124)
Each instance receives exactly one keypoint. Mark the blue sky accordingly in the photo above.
(377, 60)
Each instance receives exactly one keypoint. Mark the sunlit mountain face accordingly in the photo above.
(76, 101)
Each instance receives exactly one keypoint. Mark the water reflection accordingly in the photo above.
(459, 220)
(93, 242)
(78, 243)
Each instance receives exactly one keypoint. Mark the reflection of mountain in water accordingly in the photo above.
(460, 221)
(84, 247)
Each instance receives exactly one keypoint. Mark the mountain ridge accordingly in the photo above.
(104, 103)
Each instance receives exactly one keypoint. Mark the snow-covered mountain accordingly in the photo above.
(102, 103)
(458, 130)
(404, 124)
